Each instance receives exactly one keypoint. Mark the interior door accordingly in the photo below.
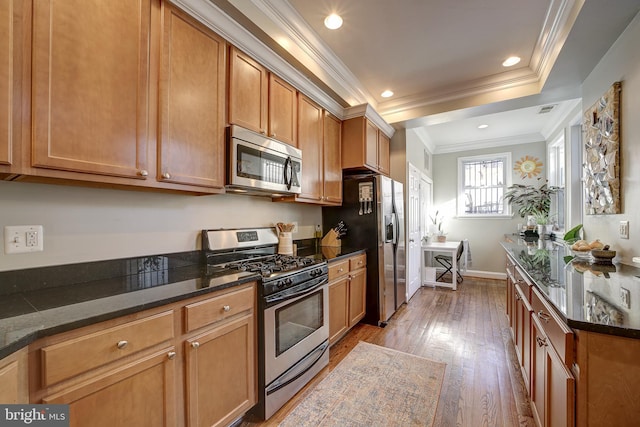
(413, 231)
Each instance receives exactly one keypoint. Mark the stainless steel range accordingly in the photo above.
(293, 309)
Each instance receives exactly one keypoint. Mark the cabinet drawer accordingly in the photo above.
(357, 262)
(338, 268)
(560, 335)
(66, 359)
(217, 308)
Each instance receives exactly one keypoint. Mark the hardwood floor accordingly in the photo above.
(466, 329)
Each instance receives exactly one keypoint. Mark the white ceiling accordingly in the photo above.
(442, 59)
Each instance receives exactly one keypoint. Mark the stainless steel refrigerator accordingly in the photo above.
(373, 214)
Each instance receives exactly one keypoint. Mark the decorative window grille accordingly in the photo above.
(483, 180)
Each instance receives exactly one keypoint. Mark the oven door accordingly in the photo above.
(296, 322)
(263, 167)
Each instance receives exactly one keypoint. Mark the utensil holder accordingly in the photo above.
(331, 239)
(285, 243)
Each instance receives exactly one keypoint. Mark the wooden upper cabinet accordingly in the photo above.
(384, 160)
(283, 110)
(364, 146)
(332, 159)
(11, 54)
(310, 142)
(371, 145)
(91, 86)
(192, 95)
(248, 92)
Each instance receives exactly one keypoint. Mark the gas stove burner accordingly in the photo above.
(272, 264)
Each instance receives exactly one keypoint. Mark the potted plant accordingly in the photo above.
(530, 200)
(542, 219)
(435, 229)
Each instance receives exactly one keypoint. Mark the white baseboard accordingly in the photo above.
(485, 274)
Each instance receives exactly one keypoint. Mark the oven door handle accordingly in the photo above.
(310, 287)
(288, 167)
(298, 369)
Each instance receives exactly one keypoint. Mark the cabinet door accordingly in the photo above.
(14, 378)
(523, 333)
(384, 161)
(560, 391)
(357, 295)
(371, 145)
(91, 86)
(11, 54)
(538, 356)
(138, 393)
(247, 92)
(338, 308)
(283, 110)
(332, 160)
(310, 142)
(192, 95)
(221, 371)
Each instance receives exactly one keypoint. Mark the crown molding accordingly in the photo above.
(367, 111)
(219, 21)
(291, 23)
(489, 143)
(423, 136)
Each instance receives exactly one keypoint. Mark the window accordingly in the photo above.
(556, 176)
(482, 182)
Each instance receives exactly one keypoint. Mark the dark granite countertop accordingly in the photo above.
(588, 296)
(39, 302)
(43, 301)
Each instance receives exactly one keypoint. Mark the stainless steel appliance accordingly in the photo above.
(261, 165)
(293, 310)
(373, 212)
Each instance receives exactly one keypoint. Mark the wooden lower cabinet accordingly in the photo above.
(14, 378)
(347, 295)
(552, 384)
(220, 378)
(192, 362)
(141, 392)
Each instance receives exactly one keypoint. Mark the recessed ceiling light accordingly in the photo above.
(333, 21)
(483, 126)
(510, 61)
(386, 94)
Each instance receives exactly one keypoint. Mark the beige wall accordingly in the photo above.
(483, 234)
(620, 63)
(88, 224)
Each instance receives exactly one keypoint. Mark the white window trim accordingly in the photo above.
(508, 177)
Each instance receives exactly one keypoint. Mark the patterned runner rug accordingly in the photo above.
(373, 386)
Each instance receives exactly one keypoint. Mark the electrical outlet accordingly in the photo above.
(625, 297)
(624, 229)
(295, 226)
(23, 238)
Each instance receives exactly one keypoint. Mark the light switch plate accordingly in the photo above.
(624, 229)
(23, 238)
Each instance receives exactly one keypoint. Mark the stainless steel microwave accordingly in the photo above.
(259, 164)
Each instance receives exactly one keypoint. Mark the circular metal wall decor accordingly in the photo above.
(528, 167)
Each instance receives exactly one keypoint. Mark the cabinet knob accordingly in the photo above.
(195, 344)
(273, 135)
(166, 175)
(543, 316)
(340, 270)
(143, 172)
(171, 355)
(518, 297)
(262, 131)
(122, 344)
(226, 308)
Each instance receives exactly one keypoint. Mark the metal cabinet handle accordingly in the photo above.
(543, 316)
(518, 297)
(166, 175)
(340, 270)
(143, 172)
(195, 344)
(171, 355)
(122, 344)
(226, 308)
(542, 342)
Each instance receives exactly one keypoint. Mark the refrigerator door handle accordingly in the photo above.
(394, 223)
